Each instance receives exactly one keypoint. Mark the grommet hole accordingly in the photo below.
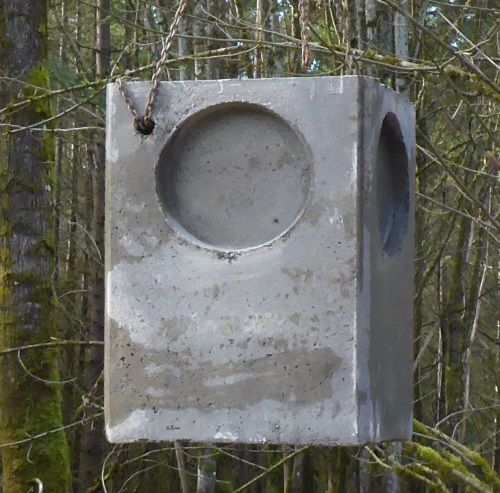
(144, 125)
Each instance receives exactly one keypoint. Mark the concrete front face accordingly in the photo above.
(259, 259)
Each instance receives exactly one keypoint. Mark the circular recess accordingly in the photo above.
(392, 185)
(234, 177)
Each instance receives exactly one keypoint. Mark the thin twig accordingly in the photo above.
(443, 44)
(50, 344)
(50, 432)
(43, 380)
(272, 468)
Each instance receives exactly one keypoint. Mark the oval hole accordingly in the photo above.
(392, 185)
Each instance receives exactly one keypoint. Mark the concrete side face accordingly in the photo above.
(214, 333)
(385, 305)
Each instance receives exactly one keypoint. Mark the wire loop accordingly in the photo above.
(145, 124)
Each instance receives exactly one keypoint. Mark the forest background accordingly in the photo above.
(56, 57)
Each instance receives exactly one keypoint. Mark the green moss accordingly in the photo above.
(456, 73)
(490, 476)
(449, 466)
(428, 454)
(390, 60)
(455, 462)
(5, 269)
(224, 486)
(38, 77)
(484, 89)
(34, 406)
(43, 247)
(477, 86)
(5, 229)
(42, 453)
(369, 54)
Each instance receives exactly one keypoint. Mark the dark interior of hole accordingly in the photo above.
(392, 190)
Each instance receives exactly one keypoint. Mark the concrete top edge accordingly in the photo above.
(362, 82)
(367, 78)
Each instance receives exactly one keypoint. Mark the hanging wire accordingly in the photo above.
(145, 124)
(304, 32)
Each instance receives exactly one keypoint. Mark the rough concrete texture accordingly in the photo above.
(259, 263)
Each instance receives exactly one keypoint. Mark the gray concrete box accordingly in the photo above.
(259, 263)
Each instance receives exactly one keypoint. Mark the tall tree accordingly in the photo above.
(29, 380)
(92, 439)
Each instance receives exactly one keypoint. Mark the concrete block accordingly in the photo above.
(259, 263)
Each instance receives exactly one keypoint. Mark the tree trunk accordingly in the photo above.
(30, 396)
(198, 44)
(207, 469)
(92, 438)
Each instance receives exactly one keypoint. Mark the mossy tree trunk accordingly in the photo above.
(29, 380)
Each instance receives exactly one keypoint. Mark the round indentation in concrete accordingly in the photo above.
(234, 177)
(392, 185)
